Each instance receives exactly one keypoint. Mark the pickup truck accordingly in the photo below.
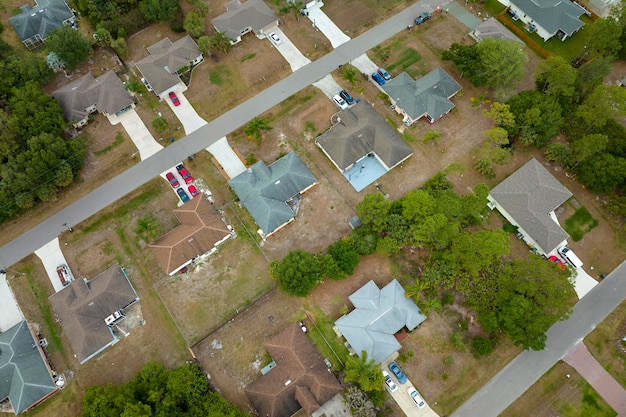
(64, 274)
(422, 18)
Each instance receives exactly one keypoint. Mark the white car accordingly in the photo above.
(391, 386)
(274, 37)
(340, 102)
(417, 398)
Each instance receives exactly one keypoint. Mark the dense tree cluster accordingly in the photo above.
(156, 391)
(36, 161)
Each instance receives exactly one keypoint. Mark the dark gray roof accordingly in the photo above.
(491, 28)
(529, 195)
(42, 19)
(362, 130)
(553, 15)
(107, 92)
(265, 190)
(429, 94)
(253, 14)
(165, 59)
(82, 306)
(377, 317)
(24, 376)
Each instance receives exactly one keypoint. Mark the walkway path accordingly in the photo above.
(604, 384)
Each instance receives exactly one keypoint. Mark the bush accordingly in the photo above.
(365, 240)
(456, 339)
(482, 346)
(448, 298)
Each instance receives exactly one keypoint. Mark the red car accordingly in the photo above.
(184, 173)
(174, 99)
(172, 179)
(558, 262)
(193, 190)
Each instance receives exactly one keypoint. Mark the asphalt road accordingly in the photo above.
(514, 379)
(149, 168)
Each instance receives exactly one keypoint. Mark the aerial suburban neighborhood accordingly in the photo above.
(365, 209)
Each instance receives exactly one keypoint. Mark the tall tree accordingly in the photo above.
(373, 211)
(587, 146)
(606, 102)
(501, 114)
(159, 10)
(502, 61)
(70, 46)
(538, 116)
(364, 372)
(194, 24)
(604, 38)
(556, 77)
(298, 273)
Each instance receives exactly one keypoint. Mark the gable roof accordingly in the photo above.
(106, 92)
(253, 14)
(300, 378)
(165, 59)
(201, 228)
(491, 28)
(428, 94)
(42, 19)
(265, 190)
(553, 15)
(360, 131)
(24, 374)
(82, 306)
(529, 195)
(378, 315)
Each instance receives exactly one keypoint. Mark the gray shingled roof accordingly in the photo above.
(107, 92)
(265, 190)
(429, 94)
(253, 13)
(361, 131)
(42, 19)
(553, 15)
(529, 195)
(377, 317)
(491, 28)
(24, 377)
(82, 306)
(165, 59)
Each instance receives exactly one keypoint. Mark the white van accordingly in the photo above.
(570, 257)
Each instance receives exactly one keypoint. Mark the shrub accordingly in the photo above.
(456, 339)
(482, 346)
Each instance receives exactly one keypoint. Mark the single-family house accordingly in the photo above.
(86, 95)
(548, 18)
(429, 96)
(88, 309)
(299, 378)
(160, 69)
(25, 376)
(528, 199)
(34, 23)
(202, 229)
(491, 28)
(240, 18)
(601, 8)
(361, 134)
(377, 316)
(272, 193)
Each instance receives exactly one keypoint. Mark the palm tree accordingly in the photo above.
(415, 290)
(221, 42)
(364, 372)
(255, 129)
(349, 74)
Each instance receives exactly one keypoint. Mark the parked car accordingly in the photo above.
(174, 99)
(193, 190)
(147, 84)
(422, 18)
(378, 78)
(340, 102)
(64, 274)
(558, 262)
(172, 179)
(383, 72)
(416, 397)
(347, 97)
(183, 195)
(184, 173)
(391, 386)
(114, 318)
(274, 37)
(395, 369)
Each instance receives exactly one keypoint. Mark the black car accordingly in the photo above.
(347, 97)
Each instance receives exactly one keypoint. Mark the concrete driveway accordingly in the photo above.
(329, 86)
(10, 313)
(319, 19)
(227, 158)
(185, 112)
(138, 132)
(405, 402)
(288, 50)
(583, 282)
(51, 257)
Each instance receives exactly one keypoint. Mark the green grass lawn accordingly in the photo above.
(580, 223)
(407, 59)
(325, 340)
(219, 74)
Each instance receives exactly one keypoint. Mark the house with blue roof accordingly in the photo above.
(377, 316)
(547, 18)
(25, 377)
(429, 96)
(272, 193)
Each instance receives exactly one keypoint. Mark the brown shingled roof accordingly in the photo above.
(299, 380)
(201, 229)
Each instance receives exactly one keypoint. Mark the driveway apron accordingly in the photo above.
(227, 158)
(51, 257)
(138, 132)
(185, 112)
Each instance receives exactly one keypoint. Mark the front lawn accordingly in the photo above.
(580, 223)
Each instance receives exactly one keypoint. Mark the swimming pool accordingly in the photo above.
(365, 171)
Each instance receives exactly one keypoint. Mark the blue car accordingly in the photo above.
(393, 367)
(378, 78)
(183, 195)
(383, 72)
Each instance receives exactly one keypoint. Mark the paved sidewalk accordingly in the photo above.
(604, 384)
